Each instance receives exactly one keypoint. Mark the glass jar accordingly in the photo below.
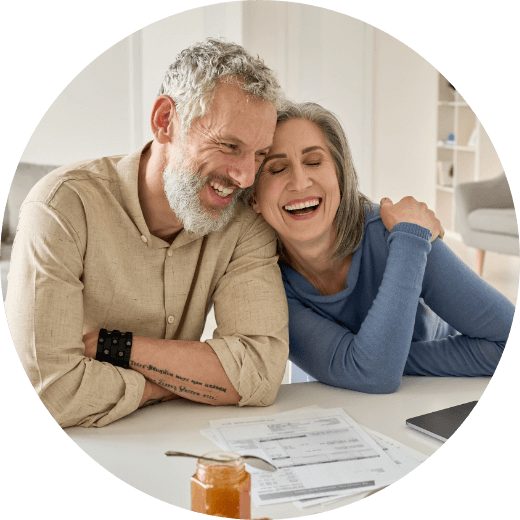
(222, 487)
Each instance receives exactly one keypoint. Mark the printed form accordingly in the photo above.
(319, 453)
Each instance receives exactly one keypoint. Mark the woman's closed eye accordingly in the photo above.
(278, 168)
(274, 169)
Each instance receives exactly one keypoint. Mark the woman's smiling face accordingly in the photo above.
(298, 192)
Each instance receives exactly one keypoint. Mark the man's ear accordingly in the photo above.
(164, 119)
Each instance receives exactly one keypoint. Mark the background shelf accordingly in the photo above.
(467, 162)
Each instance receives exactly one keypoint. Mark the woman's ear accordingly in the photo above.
(254, 204)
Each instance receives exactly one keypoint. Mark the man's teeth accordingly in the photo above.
(302, 205)
(223, 192)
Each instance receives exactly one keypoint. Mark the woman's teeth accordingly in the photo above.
(221, 190)
(302, 205)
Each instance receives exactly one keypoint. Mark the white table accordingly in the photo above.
(133, 447)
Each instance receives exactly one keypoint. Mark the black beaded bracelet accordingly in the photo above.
(114, 347)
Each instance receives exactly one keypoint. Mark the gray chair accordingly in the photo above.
(485, 217)
(26, 176)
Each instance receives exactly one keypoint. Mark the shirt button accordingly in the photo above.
(143, 238)
(171, 319)
(170, 252)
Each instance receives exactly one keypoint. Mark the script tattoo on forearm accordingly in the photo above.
(151, 367)
(216, 387)
(174, 388)
(160, 382)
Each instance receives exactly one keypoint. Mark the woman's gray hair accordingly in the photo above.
(191, 80)
(350, 216)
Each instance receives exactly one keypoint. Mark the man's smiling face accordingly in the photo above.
(220, 156)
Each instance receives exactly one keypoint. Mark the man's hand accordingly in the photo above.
(91, 339)
(410, 210)
(153, 393)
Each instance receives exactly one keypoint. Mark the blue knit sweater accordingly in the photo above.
(409, 307)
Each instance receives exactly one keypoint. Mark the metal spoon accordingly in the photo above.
(256, 462)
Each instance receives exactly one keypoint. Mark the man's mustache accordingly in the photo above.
(225, 181)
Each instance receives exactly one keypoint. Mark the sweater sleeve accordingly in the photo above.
(481, 315)
(475, 321)
(372, 360)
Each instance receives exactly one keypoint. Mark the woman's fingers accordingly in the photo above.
(410, 210)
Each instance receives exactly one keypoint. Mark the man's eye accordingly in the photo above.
(230, 146)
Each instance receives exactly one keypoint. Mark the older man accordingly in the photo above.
(118, 260)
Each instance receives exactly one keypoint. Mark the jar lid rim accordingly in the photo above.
(222, 457)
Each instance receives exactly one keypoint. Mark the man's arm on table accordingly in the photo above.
(254, 349)
(244, 363)
(155, 394)
(189, 369)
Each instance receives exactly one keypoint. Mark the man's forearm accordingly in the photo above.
(154, 394)
(189, 369)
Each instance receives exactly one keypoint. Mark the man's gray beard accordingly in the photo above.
(182, 187)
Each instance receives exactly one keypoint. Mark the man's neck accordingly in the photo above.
(158, 215)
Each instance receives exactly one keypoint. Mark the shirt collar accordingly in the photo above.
(128, 173)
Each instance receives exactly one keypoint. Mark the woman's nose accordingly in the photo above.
(300, 179)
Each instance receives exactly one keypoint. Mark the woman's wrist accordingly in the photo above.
(413, 229)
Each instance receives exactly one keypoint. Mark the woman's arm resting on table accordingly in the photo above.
(461, 298)
(372, 360)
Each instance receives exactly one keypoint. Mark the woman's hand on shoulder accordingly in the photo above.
(410, 210)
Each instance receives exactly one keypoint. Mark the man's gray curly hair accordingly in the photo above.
(191, 79)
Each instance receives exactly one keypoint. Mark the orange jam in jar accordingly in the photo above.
(222, 487)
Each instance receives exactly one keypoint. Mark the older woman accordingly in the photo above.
(372, 295)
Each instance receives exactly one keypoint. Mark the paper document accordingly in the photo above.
(318, 453)
(406, 459)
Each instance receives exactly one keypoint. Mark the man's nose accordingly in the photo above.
(244, 171)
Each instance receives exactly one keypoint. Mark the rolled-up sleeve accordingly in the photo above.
(45, 313)
(252, 339)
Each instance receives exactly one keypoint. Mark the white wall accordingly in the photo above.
(90, 118)
(405, 101)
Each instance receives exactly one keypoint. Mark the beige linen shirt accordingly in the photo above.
(83, 258)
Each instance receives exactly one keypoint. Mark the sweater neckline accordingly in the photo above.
(301, 285)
